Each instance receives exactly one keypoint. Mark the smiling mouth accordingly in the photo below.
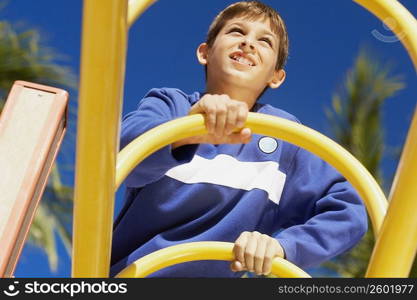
(241, 60)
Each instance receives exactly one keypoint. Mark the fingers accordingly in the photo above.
(240, 245)
(255, 252)
(270, 253)
(222, 115)
(210, 110)
(259, 258)
(250, 251)
(211, 119)
(232, 115)
(242, 137)
(242, 114)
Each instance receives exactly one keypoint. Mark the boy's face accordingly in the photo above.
(244, 54)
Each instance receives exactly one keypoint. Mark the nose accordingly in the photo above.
(247, 46)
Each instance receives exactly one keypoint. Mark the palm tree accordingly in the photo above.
(356, 121)
(23, 57)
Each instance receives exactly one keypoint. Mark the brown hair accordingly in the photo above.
(253, 10)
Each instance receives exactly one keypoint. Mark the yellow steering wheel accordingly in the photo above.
(262, 124)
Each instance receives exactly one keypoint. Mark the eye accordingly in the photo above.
(236, 29)
(267, 40)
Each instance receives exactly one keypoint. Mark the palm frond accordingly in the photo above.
(23, 56)
(355, 118)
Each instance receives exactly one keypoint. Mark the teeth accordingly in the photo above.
(245, 61)
(242, 60)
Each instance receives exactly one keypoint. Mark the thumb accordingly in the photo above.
(196, 109)
(236, 266)
(245, 135)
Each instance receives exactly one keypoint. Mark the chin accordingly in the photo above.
(240, 78)
(234, 77)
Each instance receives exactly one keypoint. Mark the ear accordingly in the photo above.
(277, 79)
(202, 52)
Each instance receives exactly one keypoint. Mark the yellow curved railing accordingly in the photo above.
(268, 125)
(404, 25)
(199, 251)
(136, 8)
(263, 124)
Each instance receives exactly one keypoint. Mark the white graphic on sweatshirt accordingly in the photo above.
(227, 171)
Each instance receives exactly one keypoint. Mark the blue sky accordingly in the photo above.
(325, 37)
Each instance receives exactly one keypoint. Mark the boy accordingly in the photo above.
(267, 196)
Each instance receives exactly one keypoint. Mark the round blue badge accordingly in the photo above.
(267, 144)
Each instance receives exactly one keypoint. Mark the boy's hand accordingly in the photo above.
(254, 252)
(222, 115)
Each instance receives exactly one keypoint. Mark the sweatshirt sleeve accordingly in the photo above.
(325, 216)
(158, 106)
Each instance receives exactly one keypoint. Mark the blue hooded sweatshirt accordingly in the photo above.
(212, 192)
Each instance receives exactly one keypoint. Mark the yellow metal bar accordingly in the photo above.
(103, 56)
(199, 251)
(396, 244)
(405, 26)
(136, 8)
(280, 128)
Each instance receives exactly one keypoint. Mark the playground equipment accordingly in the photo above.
(98, 176)
(268, 125)
(102, 75)
(33, 124)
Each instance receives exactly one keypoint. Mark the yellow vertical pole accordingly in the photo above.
(396, 244)
(103, 55)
